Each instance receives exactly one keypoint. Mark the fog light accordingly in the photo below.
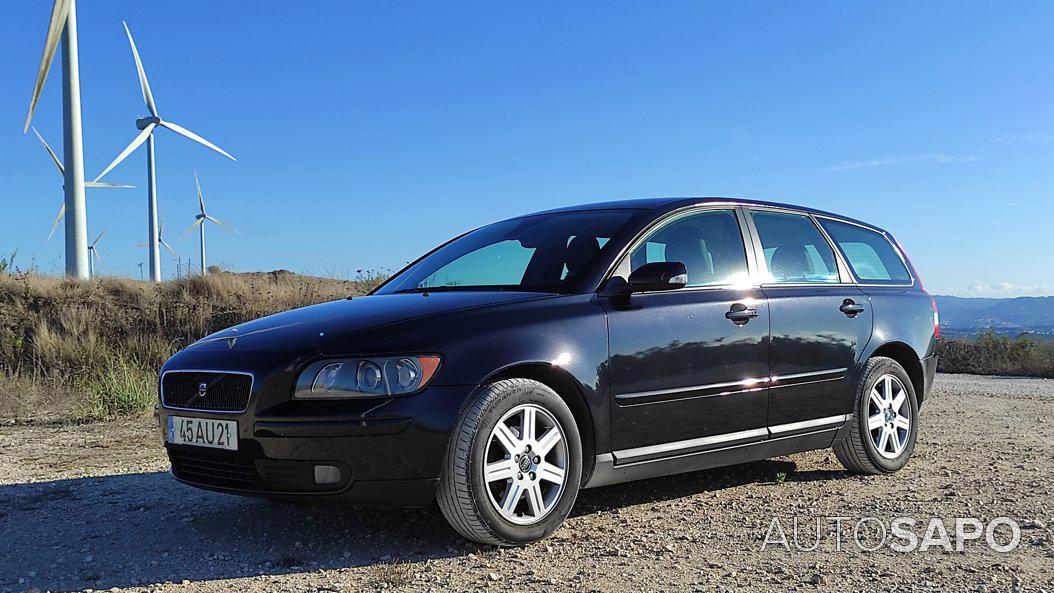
(326, 474)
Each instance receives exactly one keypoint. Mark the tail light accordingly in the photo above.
(936, 318)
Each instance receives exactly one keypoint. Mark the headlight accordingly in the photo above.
(366, 377)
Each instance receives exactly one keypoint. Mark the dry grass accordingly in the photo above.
(391, 575)
(101, 342)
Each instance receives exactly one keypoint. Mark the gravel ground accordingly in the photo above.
(92, 507)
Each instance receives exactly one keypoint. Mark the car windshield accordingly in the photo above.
(534, 253)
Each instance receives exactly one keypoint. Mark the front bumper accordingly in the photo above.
(389, 451)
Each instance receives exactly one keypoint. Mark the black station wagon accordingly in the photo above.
(574, 348)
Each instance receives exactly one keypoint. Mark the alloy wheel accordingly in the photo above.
(888, 420)
(525, 466)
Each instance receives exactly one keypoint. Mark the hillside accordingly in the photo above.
(92, 349)
(969, 316)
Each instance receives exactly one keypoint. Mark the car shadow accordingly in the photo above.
(139, 529)
(689, 484)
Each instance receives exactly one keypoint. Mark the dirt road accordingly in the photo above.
(92, 507)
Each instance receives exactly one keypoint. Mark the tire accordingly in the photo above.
(471, 503)
(858, 451)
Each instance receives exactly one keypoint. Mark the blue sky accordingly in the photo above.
(368, 132)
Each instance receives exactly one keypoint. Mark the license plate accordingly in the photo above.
(203, 432)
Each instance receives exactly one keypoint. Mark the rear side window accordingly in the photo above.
(795, 250)
(870, 255)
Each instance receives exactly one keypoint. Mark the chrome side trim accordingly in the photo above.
(809, 377)
(639, 453)
(745, 386)
(752, 384)
(781, 428)
(252, 383)
(664, 451)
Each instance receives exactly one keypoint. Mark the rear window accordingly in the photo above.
(870, 254)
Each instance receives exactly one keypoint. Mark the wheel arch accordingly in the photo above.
(909, 359)
(567, 387)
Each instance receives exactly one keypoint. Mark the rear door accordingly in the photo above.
(820, 322)
(684, 376)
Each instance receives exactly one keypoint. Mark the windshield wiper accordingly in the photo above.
(428, 289)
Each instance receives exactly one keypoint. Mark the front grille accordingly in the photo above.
(224, 392)
(213, 468)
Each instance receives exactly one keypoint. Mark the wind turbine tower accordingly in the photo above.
(93, 253)
(202, 217)
(63, 26)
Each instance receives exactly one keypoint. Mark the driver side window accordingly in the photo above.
(708, 243)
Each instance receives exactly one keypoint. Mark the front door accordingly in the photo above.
(684, 375)
(820, 323)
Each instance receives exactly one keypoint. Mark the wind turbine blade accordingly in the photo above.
(201, 200)
(162, 241)
(59, 12)
(195, 225)
(95, 253)
(128, 150)
(148, 97)
(54, 157)
(104, 184)
(55, 225)
(96, 241)
(213, 219)
(185, 132)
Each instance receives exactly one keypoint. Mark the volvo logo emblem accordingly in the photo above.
(202, 388)
(525, 463)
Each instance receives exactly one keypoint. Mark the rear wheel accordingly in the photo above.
(514, 465)
(884, 424)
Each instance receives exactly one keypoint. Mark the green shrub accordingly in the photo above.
(991, 354)
(118, 388)
(7, 264)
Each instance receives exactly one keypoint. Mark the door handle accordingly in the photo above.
(740, 314)
(851, 308)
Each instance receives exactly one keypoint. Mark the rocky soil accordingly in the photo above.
(92, 508)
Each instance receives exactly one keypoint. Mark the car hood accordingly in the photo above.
(303, 328)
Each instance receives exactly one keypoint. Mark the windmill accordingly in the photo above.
(161, 239)
(146, 126)
(63, 27)
(62, 171)
(202, 218)
(93, 253)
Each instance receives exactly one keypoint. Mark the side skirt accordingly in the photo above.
(607, 472)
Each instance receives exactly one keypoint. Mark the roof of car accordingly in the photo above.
(679, 202)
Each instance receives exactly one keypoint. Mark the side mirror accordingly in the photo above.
(658, 276)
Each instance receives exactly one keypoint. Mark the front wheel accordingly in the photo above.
(884, 423)
(513, 466)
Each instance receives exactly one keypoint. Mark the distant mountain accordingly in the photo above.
(961, 315)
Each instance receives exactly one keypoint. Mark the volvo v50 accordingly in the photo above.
(520, 362)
